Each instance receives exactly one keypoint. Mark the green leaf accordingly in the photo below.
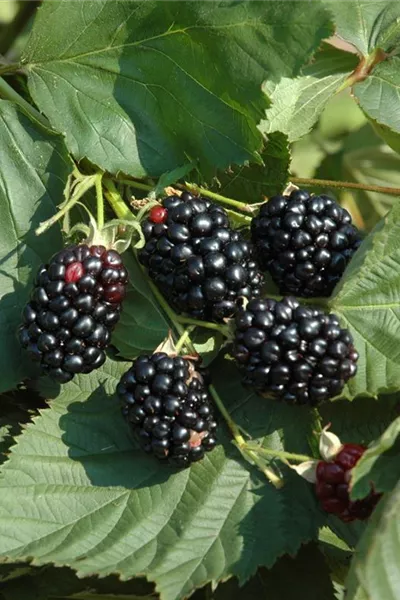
(367, 300)
(33, 172)
(252, 182)
(367, 24)
(142, 326)
(90, 499)
(375, 572)
(379, 94)
(297, 103)
(380, 464)
(145, 87)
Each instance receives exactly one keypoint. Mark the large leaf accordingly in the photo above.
(379, 94)
(297, 103)
(250, 183)
(144, 86)
(33, 171)
(368, 302)
(88, 498)
(367, 24)
(379, 465)
(375, 572)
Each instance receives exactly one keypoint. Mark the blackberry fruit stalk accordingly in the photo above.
(74, 306)
(201, 266)
(305, 242)
(166, 402)
(295, 352)
(332, 486)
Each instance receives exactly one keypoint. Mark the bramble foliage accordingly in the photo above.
(104, 105)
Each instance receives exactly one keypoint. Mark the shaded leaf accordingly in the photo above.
(144, 87)
(102, 506)
(251, 183)
(380, 464)
(33, 172)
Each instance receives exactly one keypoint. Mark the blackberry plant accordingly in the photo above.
(155, 158)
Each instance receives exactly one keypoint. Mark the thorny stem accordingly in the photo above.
(100, 201)
(136, 184)
(8, 93)
(117, 204)
(346, 184)
(282, 455)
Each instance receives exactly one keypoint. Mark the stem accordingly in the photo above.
(117, 204)
(346, 184)
(214, 196)
(8, 93)
(185, 337)
(281, 454)
(80, 190)
(224, 329)
(136, 184)
(100, 201)
(9, 68)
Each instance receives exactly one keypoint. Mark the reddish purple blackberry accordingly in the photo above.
(167, 405)
(332, 486)
(294, 352)
(305, 242)
(75, 304)
(202, 266)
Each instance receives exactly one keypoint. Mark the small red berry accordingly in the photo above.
(324, 490)
(330, 472)
(334, 505)
(158, 214)
(349, 455)
(74, 272)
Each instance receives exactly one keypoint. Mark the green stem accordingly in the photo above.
(114, 198)
(100, 201)
(346, 185)
(247, 208)
(8, 93)
(135, 184)
(9, 69)
(224, 329)
(185, 338)
(281, 454)
(81, 189)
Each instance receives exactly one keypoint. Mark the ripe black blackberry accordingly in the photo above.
(167, 405)
(332, 486)
(305, 242)
(294, 352)
(202, 266)
(74, 306)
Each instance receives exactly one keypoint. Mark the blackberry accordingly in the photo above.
(75, 304)
(305, 242)
(294, 352)
(202, 266)
(166, 403)
(332, 486)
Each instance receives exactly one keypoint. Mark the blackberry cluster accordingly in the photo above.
(294, 352)
(332, 486)
(202, 266)
(167, 404)
(305, 242)
(75, 304)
